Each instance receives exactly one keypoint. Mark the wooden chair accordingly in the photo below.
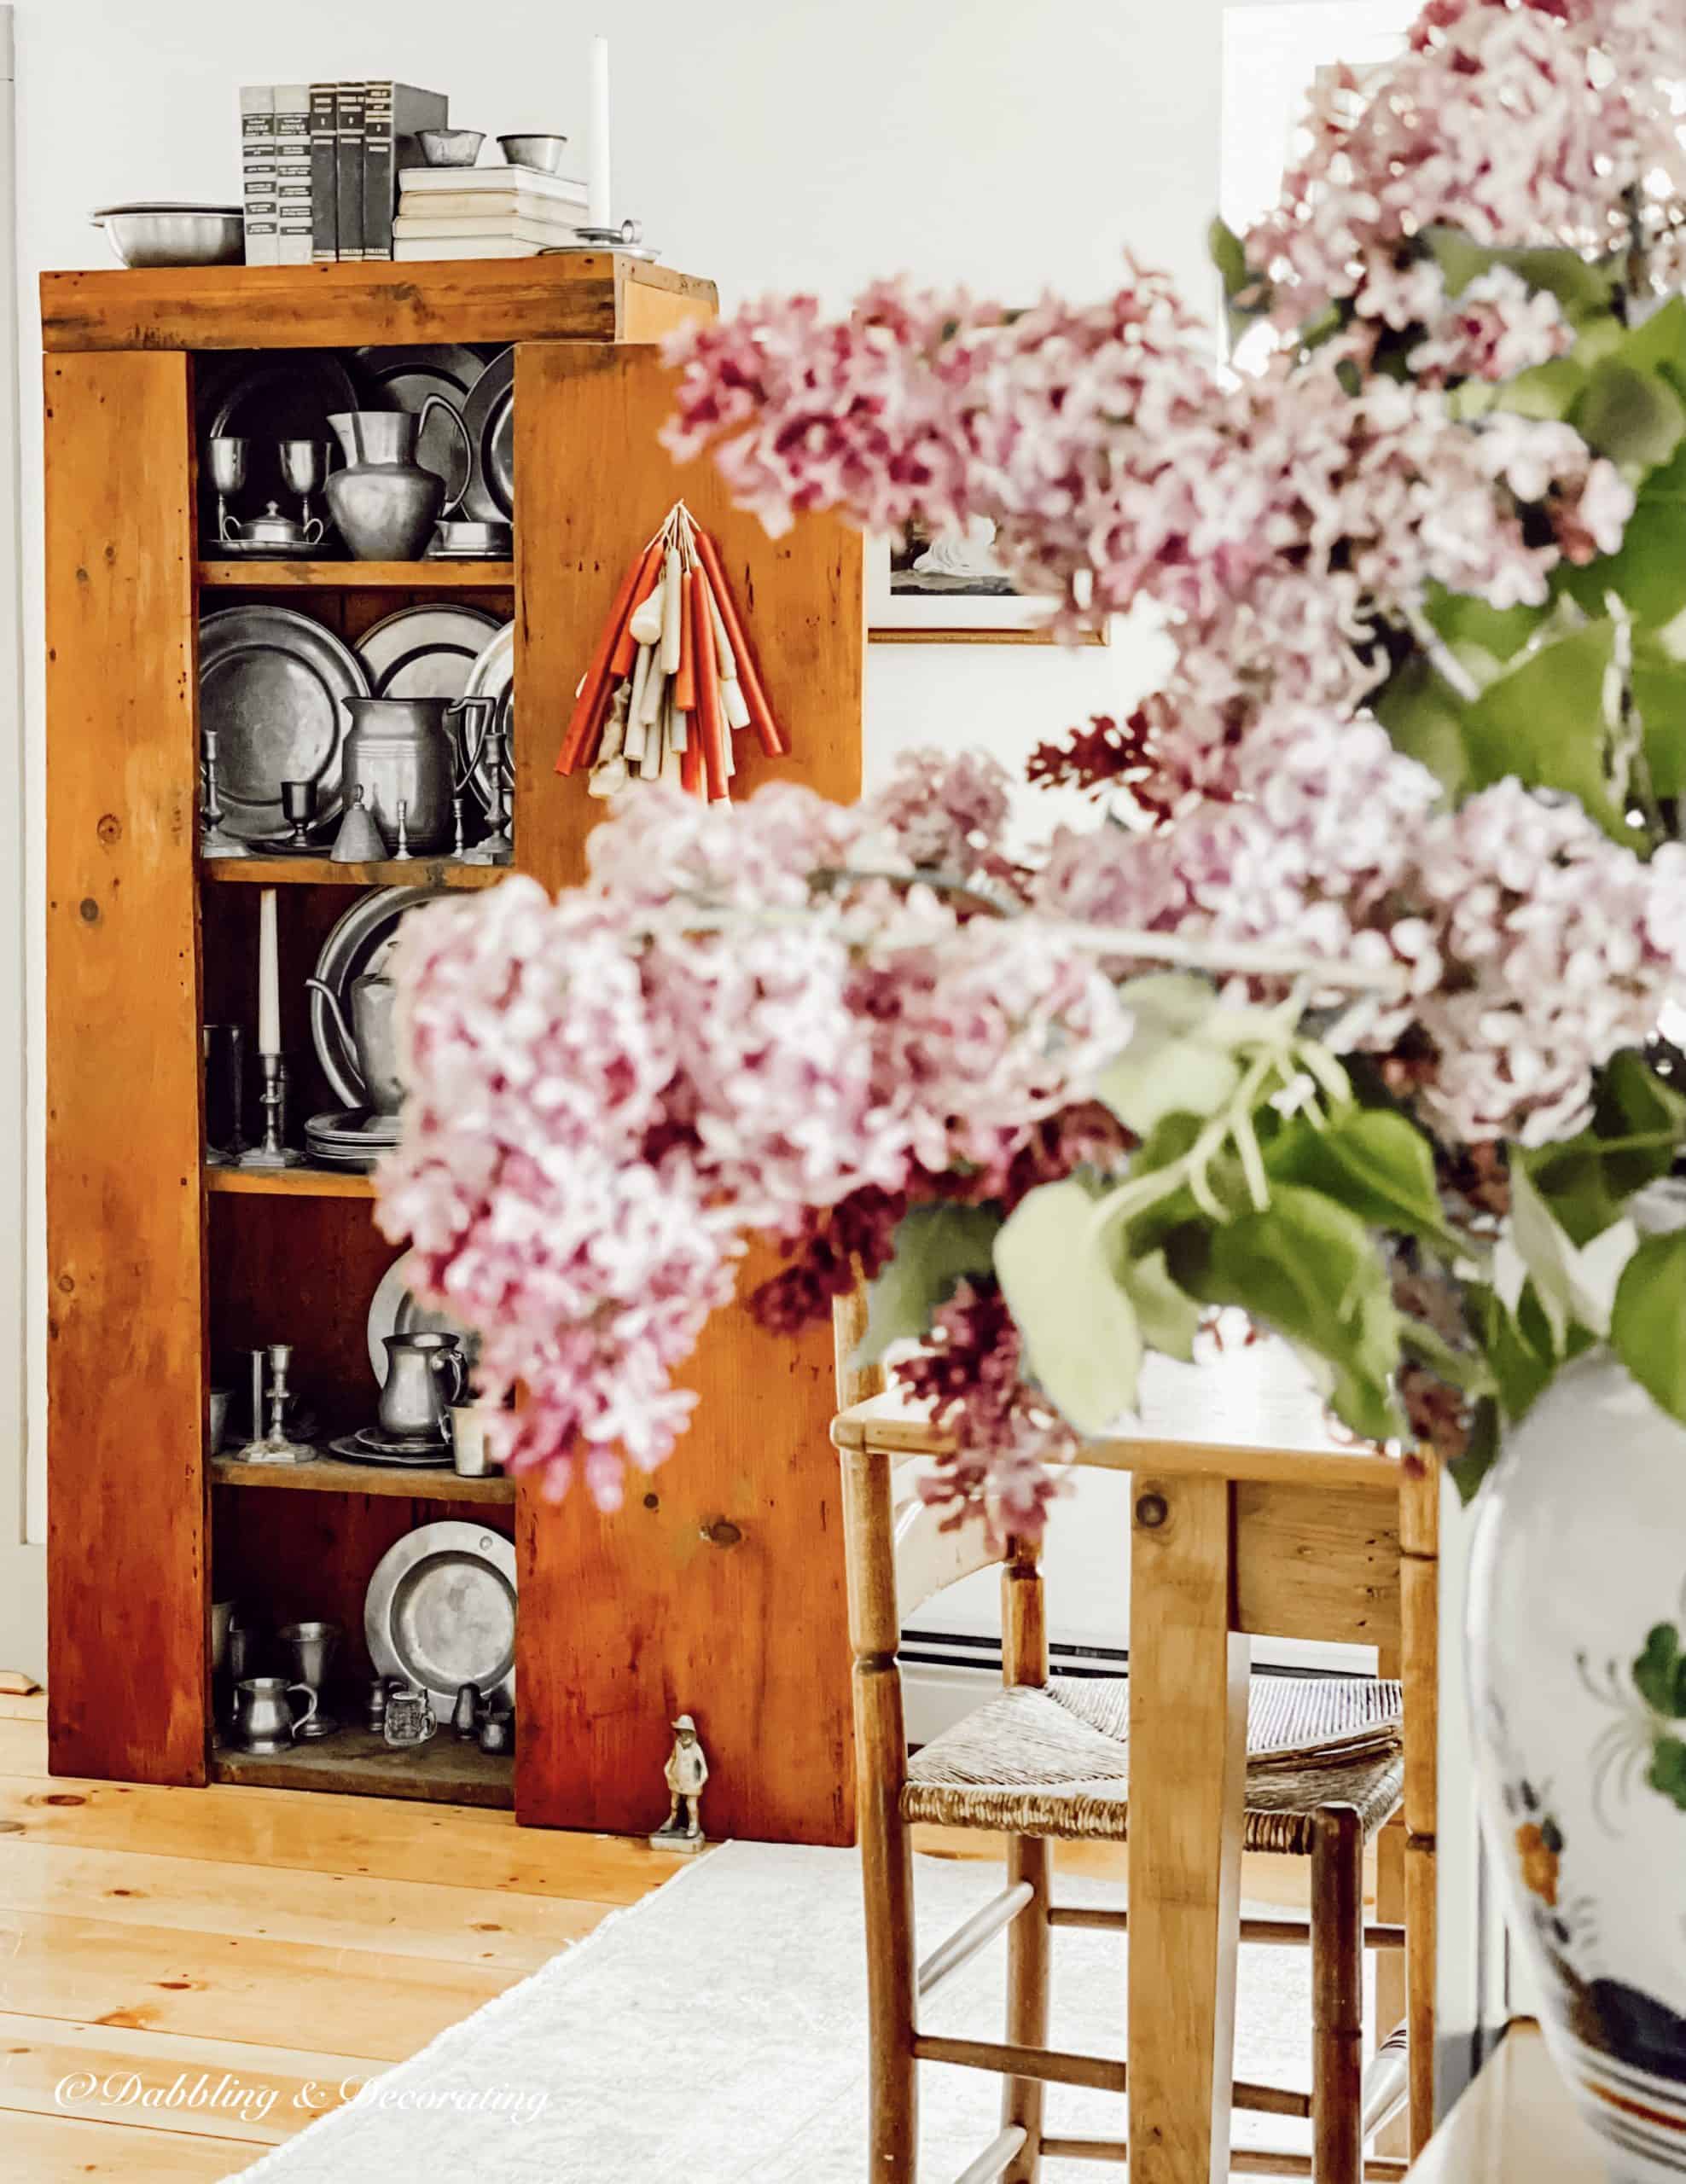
(1226, 1543)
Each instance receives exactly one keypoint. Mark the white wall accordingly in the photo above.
(1005, 146)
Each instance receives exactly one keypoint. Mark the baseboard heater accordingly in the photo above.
(945, 1673)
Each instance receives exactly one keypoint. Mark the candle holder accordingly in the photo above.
(271, 1151)
(214, 839)
(498, 846)
(275, 1448)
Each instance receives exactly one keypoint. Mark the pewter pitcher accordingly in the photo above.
(372, 1036)
(400, 750)
(386, 501)
(264, 1722)
(425, 1376)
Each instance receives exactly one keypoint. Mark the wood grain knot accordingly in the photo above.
(89, 910)
(110, 828)
(1151, 1511)
(721, 1532)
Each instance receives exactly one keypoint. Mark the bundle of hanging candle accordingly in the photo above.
(672, 676)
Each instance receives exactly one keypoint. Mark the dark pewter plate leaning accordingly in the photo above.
(489, 415)
(271, 683)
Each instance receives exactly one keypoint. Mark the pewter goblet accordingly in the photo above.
(304, 471)
(228, 454)
(297, 805)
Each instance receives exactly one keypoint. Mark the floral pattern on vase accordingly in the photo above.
(1576, 1608)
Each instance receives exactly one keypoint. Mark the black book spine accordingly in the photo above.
(324, 175)
(396, 112)
(348, 167)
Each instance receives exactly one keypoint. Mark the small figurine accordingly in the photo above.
(687, 1771)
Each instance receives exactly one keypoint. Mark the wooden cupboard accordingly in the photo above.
(718, 1588)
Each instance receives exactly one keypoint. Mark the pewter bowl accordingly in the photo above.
(542, 152)
(174, 234)
(451, 148)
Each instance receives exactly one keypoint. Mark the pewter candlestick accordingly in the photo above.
(214, 839)
(275, 1448)
(498, 847)
(271, 1151)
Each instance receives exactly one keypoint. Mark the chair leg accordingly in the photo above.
(1337, 1995)
(891, 1971)
(1028, 1948)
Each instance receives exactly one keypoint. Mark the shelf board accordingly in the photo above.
(358, 576)
(445, 1771)
(289, 1183)
(323, 872)
(331, 1475)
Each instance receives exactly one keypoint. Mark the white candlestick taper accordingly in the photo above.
(269, 977)
(598, 138)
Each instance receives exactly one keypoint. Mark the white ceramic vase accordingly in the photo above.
(1577, 1629)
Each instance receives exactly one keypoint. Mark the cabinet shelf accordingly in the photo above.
(357, 576)
(290, 1182)
(329, 1475)
(445, 1770)
(323, 872)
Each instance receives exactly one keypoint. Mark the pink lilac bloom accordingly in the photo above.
(607, 1091)
(1520, 122)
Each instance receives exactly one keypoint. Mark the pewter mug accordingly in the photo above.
(263, 1722)
(425, 1374)
(372, 1036)
(401, 750)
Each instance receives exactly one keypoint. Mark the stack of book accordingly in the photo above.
(485, 212)
(320, 164)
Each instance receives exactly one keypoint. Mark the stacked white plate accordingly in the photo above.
(350, 1137)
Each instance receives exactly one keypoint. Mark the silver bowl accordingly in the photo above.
(174, 234)
(451, 148)
(544, 153)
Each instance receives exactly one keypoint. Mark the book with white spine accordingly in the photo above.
(490, 182)
(524, 227)
(257, 174)
(293, 172)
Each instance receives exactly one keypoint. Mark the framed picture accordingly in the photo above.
(947, 587)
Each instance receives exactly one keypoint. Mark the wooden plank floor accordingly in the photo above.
(279, 1948)
(272, 1949)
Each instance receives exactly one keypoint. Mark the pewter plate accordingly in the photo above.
(394, 1310)
(490, 416)
(355, 1451)
(406, 377)
(348, 951)
(425, 652)
(270, 683)
(493, 675)
(441, 1611)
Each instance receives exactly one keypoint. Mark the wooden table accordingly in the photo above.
(1229, 1540)
(1515, 2125)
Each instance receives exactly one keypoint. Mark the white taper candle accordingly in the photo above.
(597, 139)
(269, 977)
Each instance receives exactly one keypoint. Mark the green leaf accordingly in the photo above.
(1633, 417)
(1638, 1124)
(1647, 1324)
(1169, 1317)
(1371, 1160)
(1481, 1453)
(1180, 1058)
(1228, 255)
(1580, 288)
(1521, 1367)
(1659, 340)
(1667, 1770)
(1542, 722)
(1307, 1267)
(1648, 570)
(1659, 694)
(1462, 620)
(1425, 720)
(1082, 1341)
(937, 1247)
(1567, 1296)
(1547, 391)
(1659, 1672)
